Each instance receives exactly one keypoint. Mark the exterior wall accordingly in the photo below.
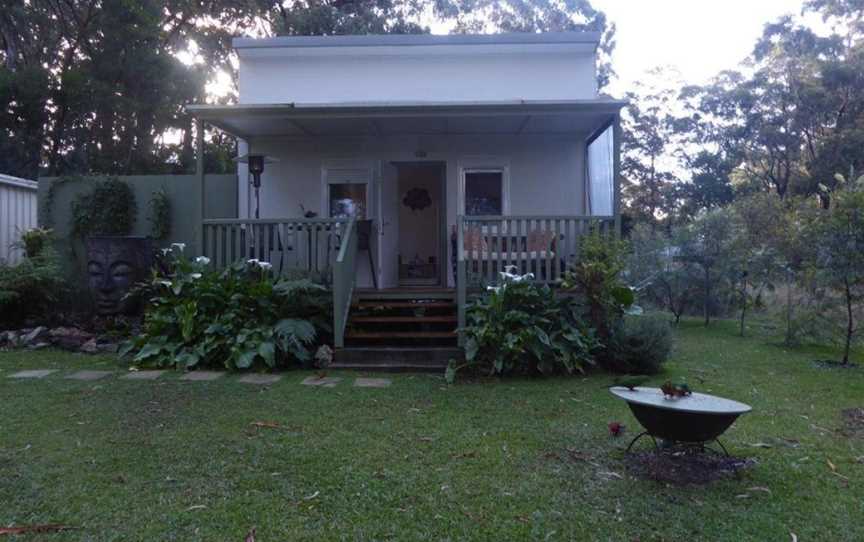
(18, 212)
(183, 190)
(546, 173)
(380, 78)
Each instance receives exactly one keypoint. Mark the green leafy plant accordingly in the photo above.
(31, 287)
(640, 345)
(108, 209)
(240, 317)
(160, 215)
(596, 280)
(522, 327)
(34, 240)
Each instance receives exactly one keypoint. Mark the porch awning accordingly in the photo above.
(415, 118)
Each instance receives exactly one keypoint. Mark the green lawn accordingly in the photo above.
(501, 460)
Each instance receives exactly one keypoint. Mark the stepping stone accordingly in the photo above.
(202, 376)
(142, 375)
(326, 382)
(89, 375)
(261, 379)
(33, 373)
(371, 382)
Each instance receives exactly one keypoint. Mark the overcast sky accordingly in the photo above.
(698, 37)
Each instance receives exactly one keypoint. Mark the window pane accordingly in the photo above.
(484, 193)
(347, 199)
(601, 181)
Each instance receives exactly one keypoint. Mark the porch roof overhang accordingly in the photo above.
(410, 118)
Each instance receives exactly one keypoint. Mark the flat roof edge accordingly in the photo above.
(408, 40)
(9, 180)
(203, 109)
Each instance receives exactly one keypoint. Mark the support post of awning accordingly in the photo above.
(616, 173)
(199, 176)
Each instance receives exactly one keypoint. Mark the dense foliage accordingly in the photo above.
(521, 327)
(30, 288)
(640, 345)
(238, 318)
(108, 209)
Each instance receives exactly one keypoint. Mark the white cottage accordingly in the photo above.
(458, 154)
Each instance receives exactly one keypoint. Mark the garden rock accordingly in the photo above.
(8, 339)
(33, 336)
(90, 347)
(69, 338)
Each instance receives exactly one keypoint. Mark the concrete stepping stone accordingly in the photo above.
(142, 375)
(89, 376)
(260, 379)
(33, 373)
(326, 382)
(202, 376)
(371, 382)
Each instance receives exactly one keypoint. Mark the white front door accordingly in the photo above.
(388, 219)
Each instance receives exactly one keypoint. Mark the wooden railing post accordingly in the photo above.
(461, 278)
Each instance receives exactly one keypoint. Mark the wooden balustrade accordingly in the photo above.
(307, 244)
(540, 245)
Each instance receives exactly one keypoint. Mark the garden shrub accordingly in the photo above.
(239, 318)
(30, 288)
(521, 327)
(640, 345)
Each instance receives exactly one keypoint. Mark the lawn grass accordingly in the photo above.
(499, 460)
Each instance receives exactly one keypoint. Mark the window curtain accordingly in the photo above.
(601, 174)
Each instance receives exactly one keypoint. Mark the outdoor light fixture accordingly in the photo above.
(256, 168)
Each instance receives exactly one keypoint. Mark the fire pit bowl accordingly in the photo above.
(695, 419)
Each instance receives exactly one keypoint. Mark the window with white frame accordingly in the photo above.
(484, 192)
(347, 199)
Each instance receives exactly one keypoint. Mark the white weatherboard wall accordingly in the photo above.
(17, 214)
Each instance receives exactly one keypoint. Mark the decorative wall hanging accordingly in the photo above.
(417, 199)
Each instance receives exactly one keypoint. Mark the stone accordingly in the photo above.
(9, 338)
(39, 346)
(142, 375)
(325, 382)
(69, 338)
(33, 336)
(89, 375)
(33, 373)
(108, 348)
(90, 347)
(371, 382)
(202, 376)
(261, 379)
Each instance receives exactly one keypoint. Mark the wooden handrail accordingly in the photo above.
(344, 279)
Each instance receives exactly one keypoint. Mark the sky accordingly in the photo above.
(698, 37)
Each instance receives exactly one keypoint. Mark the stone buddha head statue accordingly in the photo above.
(114, 265)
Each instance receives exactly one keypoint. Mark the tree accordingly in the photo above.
(648, 137)
(706, 243)
(839, 254)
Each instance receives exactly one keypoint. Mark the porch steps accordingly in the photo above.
(406, 329)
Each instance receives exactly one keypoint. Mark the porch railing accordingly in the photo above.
(344, 279)
(541, 245)
(309, 244)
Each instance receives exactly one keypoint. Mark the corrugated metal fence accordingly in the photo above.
(18, 212)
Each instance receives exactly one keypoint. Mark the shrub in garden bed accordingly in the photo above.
(521, 327)
(238, 318)
(640, 345)
(29, 289)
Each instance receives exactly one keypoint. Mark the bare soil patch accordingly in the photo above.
(685, 467)
(853, 422)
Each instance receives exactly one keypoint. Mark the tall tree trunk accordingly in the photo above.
(850, 322)
(743, 306)
(789, 340)
(707, 296)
